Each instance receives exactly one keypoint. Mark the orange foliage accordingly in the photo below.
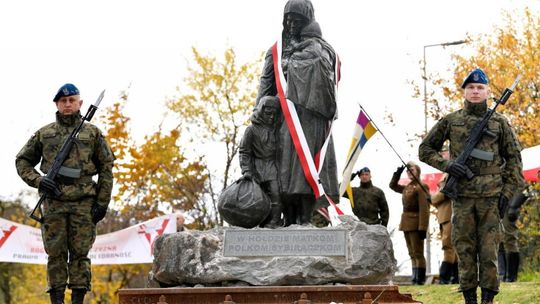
(504, 53)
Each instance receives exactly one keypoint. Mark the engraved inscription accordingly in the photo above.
(303, 242)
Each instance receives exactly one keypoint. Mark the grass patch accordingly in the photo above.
(510, 293)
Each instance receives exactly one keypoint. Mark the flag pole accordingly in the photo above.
(388, 142)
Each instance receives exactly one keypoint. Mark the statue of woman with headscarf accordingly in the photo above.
(309, 64)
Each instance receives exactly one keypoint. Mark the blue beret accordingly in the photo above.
(66, 90)
(365, 169)
(476, 76)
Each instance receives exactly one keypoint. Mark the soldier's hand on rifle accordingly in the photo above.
(98, 212)
(422, 234)
(49, 186)
(503, 205)
(457, 170)
(399, 170)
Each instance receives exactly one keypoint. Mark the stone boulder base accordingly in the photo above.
(195, 258)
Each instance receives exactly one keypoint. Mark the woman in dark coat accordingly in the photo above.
(308, 63)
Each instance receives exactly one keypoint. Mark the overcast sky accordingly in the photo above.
(144, 45)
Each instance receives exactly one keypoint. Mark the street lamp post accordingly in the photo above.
(428, 238)
(425, 76)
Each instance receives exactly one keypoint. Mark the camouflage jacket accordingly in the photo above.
(501, 174)
(90, 154)
(370, 204)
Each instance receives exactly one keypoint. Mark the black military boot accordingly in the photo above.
(470, 296)
(512, 266)
(77, 295)
(57, 296)
(455, 273)
(501, 261)
(445, 272)
(421, 277)
(488, 295)
(414, 276)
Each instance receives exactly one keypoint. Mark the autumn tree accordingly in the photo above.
(505, 52)
(216, 103)
(154, 176)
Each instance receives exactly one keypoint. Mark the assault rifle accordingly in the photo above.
(450, 188)
(63, 155)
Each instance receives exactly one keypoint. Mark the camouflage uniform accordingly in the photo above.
(68, 231)
(370, 204)
(476, 219)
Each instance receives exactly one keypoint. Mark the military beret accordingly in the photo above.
(476, 76)
(365, 169)
(66, 90)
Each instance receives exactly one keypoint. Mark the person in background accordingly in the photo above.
(448, 271)
(370, 204)
(180, 219)
(414, 219)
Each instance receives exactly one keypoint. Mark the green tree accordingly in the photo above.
(216, 103)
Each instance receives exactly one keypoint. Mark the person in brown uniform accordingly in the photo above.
(414, 219)
(448, 272)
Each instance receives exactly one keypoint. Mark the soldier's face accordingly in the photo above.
(69, 104)
(412, 170)
(476, 92)
(365, 177)
(179, 222)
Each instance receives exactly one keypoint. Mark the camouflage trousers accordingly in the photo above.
(449, 254)
(510, 235)
(68, 234)
(415, 246)
(476, 233)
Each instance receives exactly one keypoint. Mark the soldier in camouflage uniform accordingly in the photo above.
(74, 203)
(496, 163)
(370, 204)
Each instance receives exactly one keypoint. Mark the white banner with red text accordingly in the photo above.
(23, 244)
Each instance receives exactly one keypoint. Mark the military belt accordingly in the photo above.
(71, 181)
(486, 170)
